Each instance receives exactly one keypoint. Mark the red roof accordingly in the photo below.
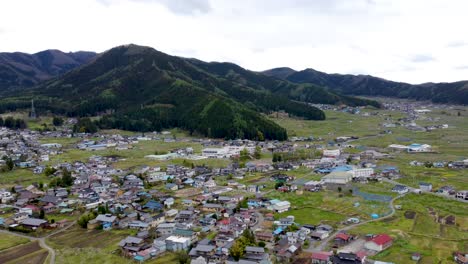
(224, 221)
(32, 207)
(321, 255)
(382, 239)
(361, 254)
(343, 236)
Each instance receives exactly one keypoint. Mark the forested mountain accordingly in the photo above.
(456, 92)
(24, 70)
(139, 88)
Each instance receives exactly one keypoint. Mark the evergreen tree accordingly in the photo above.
(42, 214)
(57, 121)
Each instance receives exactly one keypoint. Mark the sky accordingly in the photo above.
(412, 41)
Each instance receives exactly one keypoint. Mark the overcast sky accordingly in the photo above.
(404, 40)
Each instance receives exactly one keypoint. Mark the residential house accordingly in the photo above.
(425, 187)
(176, 243)
(165, 229)
(346, 258)
(321, 257)
(379, 243)
(207, 252)
(460, 258)
(400, 189)
(342, 239)
(256, 254)
(131, 245)
(33, 223)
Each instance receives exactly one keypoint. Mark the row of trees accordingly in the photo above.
(13, 123)
(296, 155)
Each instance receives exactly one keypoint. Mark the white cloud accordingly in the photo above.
(413, 41)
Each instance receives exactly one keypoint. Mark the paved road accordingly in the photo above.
(324, 243)
(41, 240)
(260, 220)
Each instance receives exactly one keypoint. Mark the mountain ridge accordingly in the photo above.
(18, 69)
(368, 85)
(139, 88)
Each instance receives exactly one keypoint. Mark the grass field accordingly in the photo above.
(422, 234)
(8, 241)
(336, 124)
(328, 207)
(78, 245)
(20, 176)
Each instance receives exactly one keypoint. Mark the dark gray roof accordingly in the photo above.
(33, 222)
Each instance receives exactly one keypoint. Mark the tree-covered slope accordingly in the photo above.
(139, 88)
(456, 92)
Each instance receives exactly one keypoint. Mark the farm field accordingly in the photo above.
(328, 207)
(8, 241)
(24, 253)
(417, 229)
(81, 246)
(78, 245)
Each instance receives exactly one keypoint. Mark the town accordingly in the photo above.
(347, 192)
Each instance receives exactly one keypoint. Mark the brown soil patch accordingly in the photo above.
(19, 251)
(410, 214)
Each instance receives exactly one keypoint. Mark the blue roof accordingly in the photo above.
(415, 145)
(388, 168)
(323, 170)
(342, 168)
(139, 258)
(278, 231)
(274, 201)
(153, 205)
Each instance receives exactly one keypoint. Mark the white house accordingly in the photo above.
(331, 153)
(425, 187)
(419, 148)
(215, 153)
(176, 243)
(225, 152)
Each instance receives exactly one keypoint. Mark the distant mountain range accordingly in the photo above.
(456, 92)
(25, 70)
(139, 88)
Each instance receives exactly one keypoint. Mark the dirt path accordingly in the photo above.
(41, 240)
(324, 243)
